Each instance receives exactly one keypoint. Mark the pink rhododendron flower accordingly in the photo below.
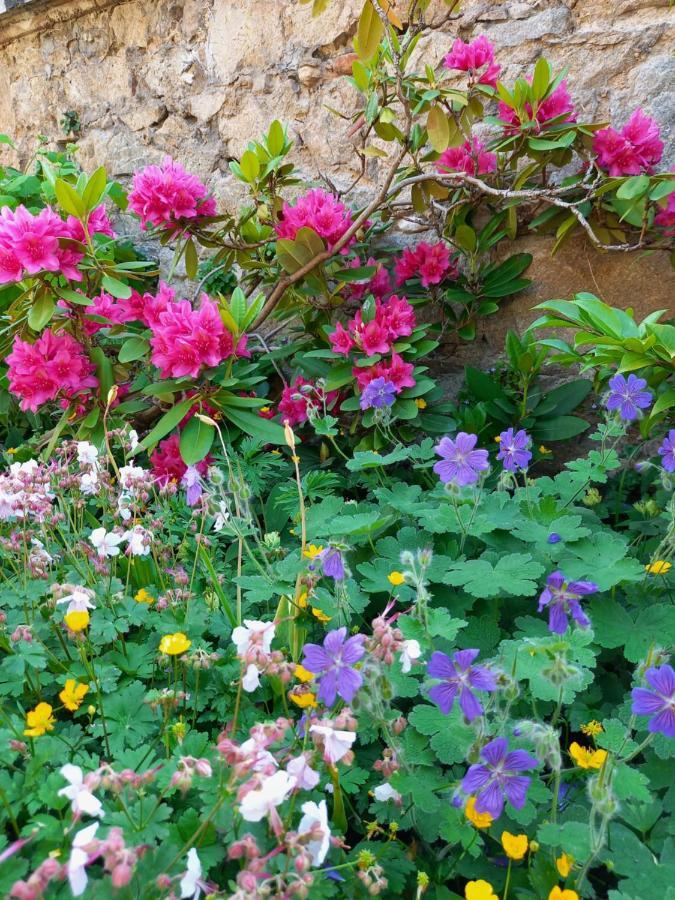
(30, 244)
(665, 218)
(471, 157)
(98, 223)
(430, 261)
(340, 340)
(379, 285)
(186, 339)
(167, 463)
(472, 57)
(396, 370)
(167, 195)
(321, 212)
(54, 365)
(555, 109)
(297, 398)
(109, 308)
(636, 148)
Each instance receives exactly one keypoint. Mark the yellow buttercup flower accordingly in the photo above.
(421, 403)
(302, 674)
(39, 720)
(544, 450)
(564, 864)
(303, 698)
(498, 439)
(77, 621)
(586, 758)
(479, 890)
(143, 596)
(174, 644)
(480, 820)
(312, 551)
(320, 615)
(659, 567)
(515, 845)
(396, 578)
(562, 894)
(73, 694)
(592, 728)
(302, 600)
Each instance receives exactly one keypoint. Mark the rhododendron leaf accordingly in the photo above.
(541, 78)
(73, 296)
(167, 423)
(276, 138)
(41, 312)
(69, 200)
(256, 426)
(438, 129)
(633, 187)
(369, 32)
(132, 349)
(191, 259)
(94, 189)
(250, 166)
(465, 237)
(196, 440)
(115, 287)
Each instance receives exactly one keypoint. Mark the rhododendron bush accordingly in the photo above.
(278, 617)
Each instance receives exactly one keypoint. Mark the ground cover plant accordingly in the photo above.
(279, 618)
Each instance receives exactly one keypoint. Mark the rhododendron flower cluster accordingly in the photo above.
(473, 57)
(471, 157)
(394, 318)
(186, 339)
(431, 262)
(55, 365)
(301, 398)
(636, 148)
(321, 212)
(31, 244)
(395, 370)
(554, 110)
(379, 285)
(167, 463)
(167, 195)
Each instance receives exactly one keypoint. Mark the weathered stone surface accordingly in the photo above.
(199, 78)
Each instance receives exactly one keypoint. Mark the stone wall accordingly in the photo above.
(198, 78)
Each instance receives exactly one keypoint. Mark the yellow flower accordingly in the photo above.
(77, 621)
(564, 864)
(586, 758)
(558, 894)
(498, 439)
(421, 403)
(302, 674)
(313, 551)
(302, 600)
(544, 450)
(174, 644)
(479, 890)
(515, 845)
(480, 820)
(72, 694)
(395, 578)
(264, 409)
(39, 720)
(144, 597)
(276, 452)
(592, 728)
(660, 567)
(303, 698)
(320, 615)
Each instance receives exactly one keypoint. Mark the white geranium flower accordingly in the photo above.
(87, 454)
(77, 863)
(251, 679)
(81, 798)
(384, 792)
(272, 793)
(106, 542)
(133, 440)
(303, 773)
(78, 601)
(411, 653)
(260, 757)
(251, 632)
(139, 540)
(89, 483)
(336, 742)
(316, 814)
(191, 883)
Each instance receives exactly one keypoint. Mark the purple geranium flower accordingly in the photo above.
(514, 449)
(667, 451)
(459, 677)
(332, 564)
(562, 599)
(628, 397)
(460, 463)
(192, 484)
(334, 663)
(498, 777)
(380, 392)
(659, 703)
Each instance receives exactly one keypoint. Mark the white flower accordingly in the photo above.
(87, 454)
(336, 742)
(78, 601)
(260, 757)
(411, 653)
(251, 632)
(384, 792)
(81, 798)
(39, 552)
(24, 468)
(89, 483)
(316, 814)
(133, 440)
(303, 773)
(273, 791)
(139, 540)
(251, 679)
(190, 883)
(132, 477)
(76, 868)
(222, 516)
(106, 542)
